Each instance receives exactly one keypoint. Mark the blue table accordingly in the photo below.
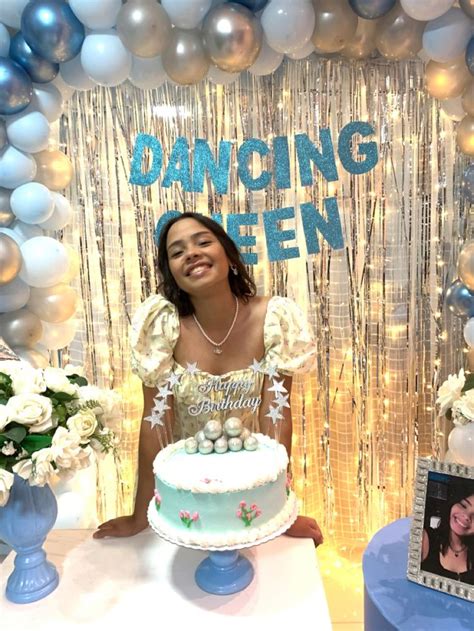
(392, 602)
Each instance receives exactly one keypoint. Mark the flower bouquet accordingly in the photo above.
(51, 424)
(455, 400)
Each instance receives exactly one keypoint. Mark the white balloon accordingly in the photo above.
(32, 202)
(45, 262)
(28, 132)
(61, 215)
(267, 61)
(18, 238)
(96, 15)
(461, 444)
(75, 76)
(4, 41)
(288, 26)
(57, 336)
(26, 231)
(446, 38)
(14, 295)
(303, 52)
(105, 59)
(425, 10)
(16, 168)
(10, 12)
(221, 77)
(66, 90)
(186, 13)
(453, 108)
(48, 100)
(469, 332)
(147, 73)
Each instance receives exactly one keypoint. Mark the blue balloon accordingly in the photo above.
(470, 55)
(253, 5)
(52, 30)
(371, 9)
(40, 70)
(467, 185)
(16, 89)
(460, 300)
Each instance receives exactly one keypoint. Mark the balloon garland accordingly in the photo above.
(49, 48)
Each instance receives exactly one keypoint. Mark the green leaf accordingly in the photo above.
(62, 396)
(16, 434)
(78, 380)
(34, 442)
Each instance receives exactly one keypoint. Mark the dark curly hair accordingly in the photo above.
(241, 284)
(458, 490)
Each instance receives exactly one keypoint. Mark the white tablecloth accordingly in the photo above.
(143, 582)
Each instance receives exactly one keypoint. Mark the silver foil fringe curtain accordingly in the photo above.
(384, 339)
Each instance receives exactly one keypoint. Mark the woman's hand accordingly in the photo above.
(121, 527)
(306, 527)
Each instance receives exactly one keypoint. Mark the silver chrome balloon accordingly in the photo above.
(235, 444)
(250, 443)
(191, 445)
(221, 445)
(206, 446)
(212, 430)
(233, 426)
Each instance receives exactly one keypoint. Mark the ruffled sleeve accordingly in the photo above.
(289, 343)
(153, 335)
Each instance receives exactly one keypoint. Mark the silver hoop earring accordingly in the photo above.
(234, 269)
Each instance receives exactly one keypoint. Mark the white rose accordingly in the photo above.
(11, 366)
(57, 381)
(108, 400)
(43, 469)
(23, 468)
(450, 391)
(32, 410)
(28, 379)
(463, 409)
(67, 450)
(84, 423)
(8, 449)
(6, 482)
(4, 420)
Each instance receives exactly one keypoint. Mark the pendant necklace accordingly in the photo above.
(457, 552)
(217, 345)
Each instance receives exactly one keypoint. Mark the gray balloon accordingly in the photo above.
(468, 184)
(16, 89)
(185, 59)
(468, 7)
(144, 27)
(399, 36)
(20, 328)
(232, 36)
(466, 265)
(6, 215)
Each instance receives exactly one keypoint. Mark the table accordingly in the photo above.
(392, 602)
(146, 582)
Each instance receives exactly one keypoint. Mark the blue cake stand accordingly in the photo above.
(224, 571)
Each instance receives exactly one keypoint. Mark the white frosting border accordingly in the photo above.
(230, 541)
(200, 486)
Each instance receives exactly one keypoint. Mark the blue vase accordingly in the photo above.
(224, 572)
(25, 521)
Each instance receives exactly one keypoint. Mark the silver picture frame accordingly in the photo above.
(427, 469)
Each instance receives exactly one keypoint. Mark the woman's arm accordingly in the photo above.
(151, 440)
(425, 546)
(282, 431)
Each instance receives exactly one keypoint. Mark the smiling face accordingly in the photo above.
(461, 518)
(196, 257)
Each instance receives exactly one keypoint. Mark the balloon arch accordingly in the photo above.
(50, 48)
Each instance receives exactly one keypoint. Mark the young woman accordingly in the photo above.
(449, 549)
(208, 347)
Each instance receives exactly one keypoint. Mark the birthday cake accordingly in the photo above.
(221, 493)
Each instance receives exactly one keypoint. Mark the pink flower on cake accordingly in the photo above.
(195, 516)
(157, 500)
(239, 514)
(242, 504)
(247, 515)
(186, 517)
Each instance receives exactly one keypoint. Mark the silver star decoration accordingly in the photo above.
(160, 406)
(256, 366)
(278, 386)
(272, 372)
(155, 419)
(173, 380)
(164, 392)
(274, 414)
(192, 369)
(282, 400)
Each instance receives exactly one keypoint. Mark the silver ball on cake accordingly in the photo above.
(250, 443)
(206, 446)
(191, 445)
(235, 444)
(200, 436)
(233, 426)
(245, 433)
(212, 430)
(221, 445)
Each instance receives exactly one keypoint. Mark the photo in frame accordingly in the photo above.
(441, 548)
